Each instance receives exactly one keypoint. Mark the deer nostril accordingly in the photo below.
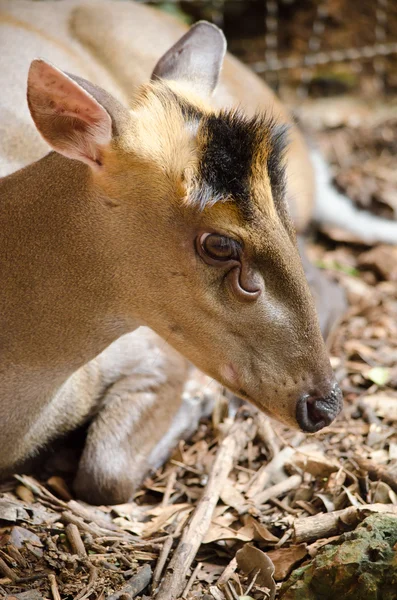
(315, 412)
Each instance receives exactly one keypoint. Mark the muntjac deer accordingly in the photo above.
(168, 210)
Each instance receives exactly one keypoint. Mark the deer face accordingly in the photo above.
(204, 248)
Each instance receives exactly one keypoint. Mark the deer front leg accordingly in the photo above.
(150, 399)
(134, 414)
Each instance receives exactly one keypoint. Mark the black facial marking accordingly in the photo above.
(228, 157)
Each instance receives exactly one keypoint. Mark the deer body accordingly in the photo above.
(136, 220)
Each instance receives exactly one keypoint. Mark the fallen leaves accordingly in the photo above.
(286, 559)
(383, 259)
(255, 563)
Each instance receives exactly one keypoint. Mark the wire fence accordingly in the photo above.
(317, 46)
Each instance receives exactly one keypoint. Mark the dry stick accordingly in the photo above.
(134, 585)
(91, 528)
(165, 550)
(192, 579)
(278, 490)
(91, 516)
(169, 489)
(326, 525)
(54, 586)
(228, 572)
(175, 578)
(85, 592)
(376, 472)
(7, 572)
(266, 434)
(94, 529)
(75, 541)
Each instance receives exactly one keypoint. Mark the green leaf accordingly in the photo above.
(379, 375)
(334, 265)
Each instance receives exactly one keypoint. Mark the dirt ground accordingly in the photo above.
(280, 495)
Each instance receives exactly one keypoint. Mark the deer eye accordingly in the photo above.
(219, 248)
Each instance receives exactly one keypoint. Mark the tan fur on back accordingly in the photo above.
(115, 44)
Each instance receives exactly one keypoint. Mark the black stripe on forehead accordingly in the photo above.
(227, 154)
(230, 143)
(230, 153)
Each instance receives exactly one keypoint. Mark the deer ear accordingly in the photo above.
(69, 118)
(196, 58)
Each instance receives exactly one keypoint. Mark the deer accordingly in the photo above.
(152, 189)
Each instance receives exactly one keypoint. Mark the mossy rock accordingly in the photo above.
(360, 565)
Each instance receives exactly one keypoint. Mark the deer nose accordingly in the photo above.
(314, 412)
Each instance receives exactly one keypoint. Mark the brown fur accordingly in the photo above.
(89, 253)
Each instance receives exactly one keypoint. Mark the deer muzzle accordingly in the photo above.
(313, 412)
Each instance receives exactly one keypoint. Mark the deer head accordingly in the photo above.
(200, 242)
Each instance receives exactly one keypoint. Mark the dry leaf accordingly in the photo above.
(135, 527)
(286, 559)
(383, 404)
(232, 497)
(19, 536)
(314, 463)
(251, 560)
(164, 516)
(259, 531)
(219, 532)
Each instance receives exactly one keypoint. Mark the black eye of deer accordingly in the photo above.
(218, 248)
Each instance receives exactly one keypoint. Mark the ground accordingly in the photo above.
(279, 495)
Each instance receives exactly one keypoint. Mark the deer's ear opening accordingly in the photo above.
(196, 58)
(70, 119)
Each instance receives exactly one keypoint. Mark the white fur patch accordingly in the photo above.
(337, 210)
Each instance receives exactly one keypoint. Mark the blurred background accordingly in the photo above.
(316, 46)
(334, 62)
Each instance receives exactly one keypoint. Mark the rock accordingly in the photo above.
(360, 565)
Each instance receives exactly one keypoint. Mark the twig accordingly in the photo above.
(174, 580)
(91, 528)
(135, 585)
(191, 580)
(377, 472)
(94, 529)
(91, 516)
(75, 541)
(165, 550)
(278, 490)
(54, 586)
(228, 572)
(170, 487)
(13, 552)
(326, 525)
(283, 506)
(252, 583)
(7, 572)
(266, 435)
(39, 490)
(85, 592)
